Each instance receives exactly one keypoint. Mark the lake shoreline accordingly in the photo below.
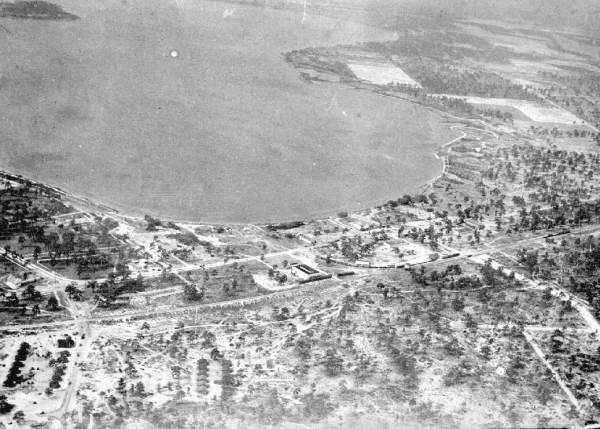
(135, 213)
(138, 214)
(361, 159)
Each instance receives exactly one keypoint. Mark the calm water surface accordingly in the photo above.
(226, 131)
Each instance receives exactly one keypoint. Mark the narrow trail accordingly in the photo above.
(554, 372)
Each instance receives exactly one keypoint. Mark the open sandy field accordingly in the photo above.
(534, 111)
(381, 73)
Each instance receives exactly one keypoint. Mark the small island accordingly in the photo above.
(34, 10)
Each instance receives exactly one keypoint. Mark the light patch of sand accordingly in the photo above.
(381, 73)
(537, 112)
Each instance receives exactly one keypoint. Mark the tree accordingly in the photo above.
(544, 394)
(557, 341)
(334, 364)
(405, 363)
(122, 386)
(5, 406)
(152, 223)
(192, 293)
(488, 273)
(215, 354)
(31, 292)
(52, 303)
(283, 314)
(70, 289)
(529, 259)
(453, 347)
(123, 270)
(303, 347)
(179, 395)
(93, 284)
(19, 417)
(518, 201)
(139, 389)
(458, 304)
(208, 339)
(486, 351)
(470, 322)
(12, 300)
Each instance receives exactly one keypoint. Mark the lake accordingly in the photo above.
(222, 131)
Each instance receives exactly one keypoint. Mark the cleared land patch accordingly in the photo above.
(534, 111)
(381, 73)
